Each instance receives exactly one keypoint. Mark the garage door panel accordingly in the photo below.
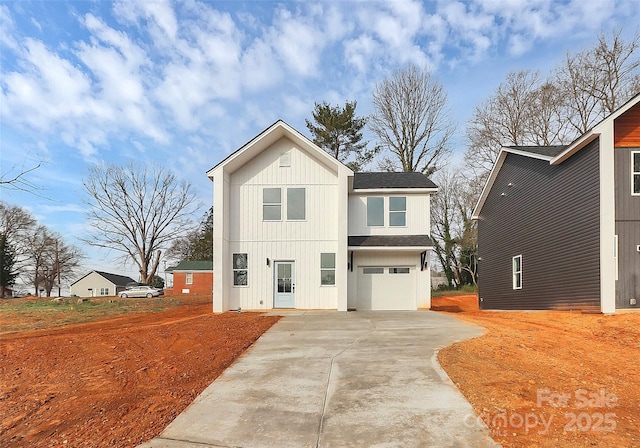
(386, 288)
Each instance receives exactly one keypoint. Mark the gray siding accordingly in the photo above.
(550, 216)
(628, 231)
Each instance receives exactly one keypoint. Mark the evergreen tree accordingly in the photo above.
(338, 131)
(7, 262)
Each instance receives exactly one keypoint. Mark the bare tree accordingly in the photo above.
(15, 178)
(454, 232)
(137, 211)
(503, 119)
(412, 121)
(50, 260)
(599, 80)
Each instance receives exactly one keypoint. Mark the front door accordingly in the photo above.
(285, 285)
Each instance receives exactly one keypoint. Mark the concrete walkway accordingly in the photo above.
(331, 379)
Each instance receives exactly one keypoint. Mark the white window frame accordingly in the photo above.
(104, 291)
(188, 278)
(304, 211)
(383, 209)
(516, 275)
(398, 212)
(634, 173)
(328, 269)
(234, 269)
(399, 270)
(266, 205)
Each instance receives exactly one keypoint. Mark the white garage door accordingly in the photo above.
(386, 288)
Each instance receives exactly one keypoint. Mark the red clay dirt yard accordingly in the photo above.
(539, 379)
(549, 378)
(114, 382)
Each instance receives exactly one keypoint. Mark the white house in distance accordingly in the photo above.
(295, 228)
(97, 283)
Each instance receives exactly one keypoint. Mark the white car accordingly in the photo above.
(141, 291)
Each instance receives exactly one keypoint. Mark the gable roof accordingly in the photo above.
(391, 180)
(186, 265)
(118, 280)
(555, 155)
(268, 137)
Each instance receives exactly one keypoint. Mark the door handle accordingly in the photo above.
(293, 288)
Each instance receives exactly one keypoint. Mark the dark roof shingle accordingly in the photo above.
(390, 240)
(185, 265)
(391, 180)
(548, 151)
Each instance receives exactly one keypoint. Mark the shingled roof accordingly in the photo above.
(547, 151)
(364, 181)
(186, 265)
(118, 280)
(390, 241)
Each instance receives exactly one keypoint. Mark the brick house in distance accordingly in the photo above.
(191, 277)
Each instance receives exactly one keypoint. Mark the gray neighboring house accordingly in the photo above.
(97, 283)
(559, 227)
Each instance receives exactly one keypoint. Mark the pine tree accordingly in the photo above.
(7, 262)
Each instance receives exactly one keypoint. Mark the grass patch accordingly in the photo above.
(465, 290)
(38, 313)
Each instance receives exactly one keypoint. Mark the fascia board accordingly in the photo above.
(364, 191)
(489, 183)
(390, 248)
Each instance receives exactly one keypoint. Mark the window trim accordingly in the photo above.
(304, 211)
(634, 173)
(399, 270)
(398, 212)
(383, 208)
(328, 269)
(271, 204)
(516, 274)
(188, 278)
(234, 269)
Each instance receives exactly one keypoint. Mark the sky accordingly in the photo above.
(184, 83)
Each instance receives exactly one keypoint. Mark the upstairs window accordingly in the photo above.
(517, 272)
(271, 204)
(398, 211)
(375, 212)
(296, 204)
(635, 172)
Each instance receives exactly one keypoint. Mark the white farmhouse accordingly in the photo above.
(295, 228)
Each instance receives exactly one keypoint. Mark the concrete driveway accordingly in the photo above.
(331, 379)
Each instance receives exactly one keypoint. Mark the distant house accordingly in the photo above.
(296, 228)
(191, 277)
(559, 227)
(97, 283)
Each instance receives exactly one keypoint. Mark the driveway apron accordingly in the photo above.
(332, 379)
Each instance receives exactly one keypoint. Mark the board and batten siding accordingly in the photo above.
(298, 241)
(550, 216)
(418, 214)
(627, 134)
